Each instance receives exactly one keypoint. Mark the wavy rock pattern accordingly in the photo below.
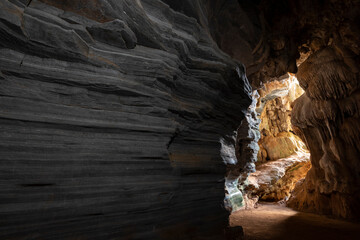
(110, 118)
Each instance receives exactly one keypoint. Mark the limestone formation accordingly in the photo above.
(283, 159)
(275, 180)
(328, 116)
(274, 109)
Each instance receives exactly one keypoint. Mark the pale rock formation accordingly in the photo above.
(274, 108)
(274, 181)
(283, 159)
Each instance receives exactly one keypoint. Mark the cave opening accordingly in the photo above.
(282, 158)
(304, 45)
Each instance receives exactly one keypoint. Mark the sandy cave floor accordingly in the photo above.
(273, 221)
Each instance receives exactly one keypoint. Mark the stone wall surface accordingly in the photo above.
(110, 118)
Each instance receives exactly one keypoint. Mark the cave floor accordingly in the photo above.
(273, 221)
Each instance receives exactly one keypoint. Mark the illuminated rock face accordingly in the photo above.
(275, 180)
(274, 108)
(110, 119)
(283, 159)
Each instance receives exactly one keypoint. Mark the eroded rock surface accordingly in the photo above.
(240, 151)
(283, 158)
(274, 180)
(274, 109)
(110, 118)
(328, 116)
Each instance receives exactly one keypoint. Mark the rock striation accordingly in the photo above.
(110, 119)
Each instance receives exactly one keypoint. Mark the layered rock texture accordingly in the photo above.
(111, 114)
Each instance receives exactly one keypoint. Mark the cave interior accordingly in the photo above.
(167, 119)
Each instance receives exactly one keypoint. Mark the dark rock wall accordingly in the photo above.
(261, 34)
(110, 119)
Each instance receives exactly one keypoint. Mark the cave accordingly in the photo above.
(168, 119)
